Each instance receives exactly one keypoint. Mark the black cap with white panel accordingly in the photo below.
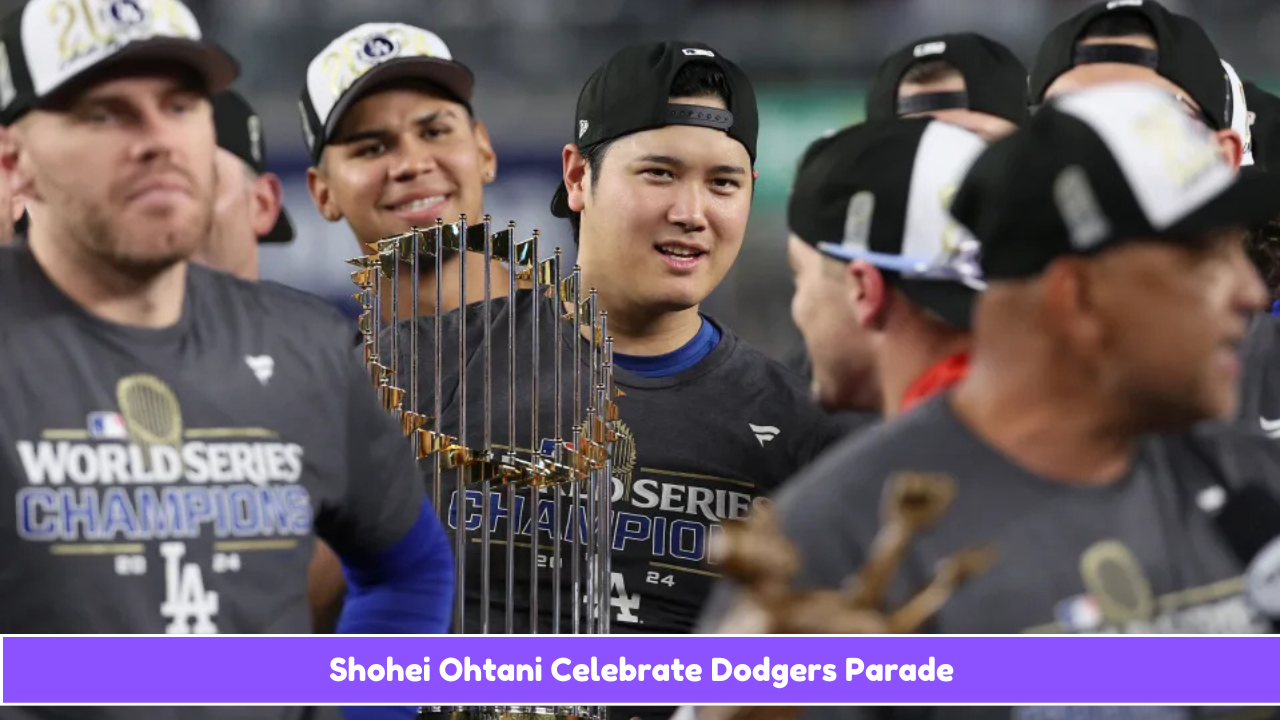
(879, 192)
(1099, 167)
(366, 57)
(48, 46)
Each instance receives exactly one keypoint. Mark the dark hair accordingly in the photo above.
(1118, 24)
(1263, 246)
(695, 80)
(929, 71)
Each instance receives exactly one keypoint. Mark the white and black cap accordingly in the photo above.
(880, 192)
(1099, 167)
(48, 46)
(369, 56)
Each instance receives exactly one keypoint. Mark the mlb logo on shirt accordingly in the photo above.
(1078, 614)
(107, 426)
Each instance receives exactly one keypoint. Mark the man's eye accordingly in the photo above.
(659, 173)
(371, 150)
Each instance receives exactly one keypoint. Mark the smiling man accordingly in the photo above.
(659, 185)
(386, 113)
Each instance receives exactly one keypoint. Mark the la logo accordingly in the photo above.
(188, 607)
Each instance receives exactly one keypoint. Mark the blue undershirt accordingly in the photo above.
(404, 590)
(676, 361)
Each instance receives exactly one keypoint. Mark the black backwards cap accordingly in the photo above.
(366, 57)
(47, 46)
(630, 94)
(240, 133)
(1184, 55)
(995, 80)
(880, 192)
(1099, 167)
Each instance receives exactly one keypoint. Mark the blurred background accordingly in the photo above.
(811, 61)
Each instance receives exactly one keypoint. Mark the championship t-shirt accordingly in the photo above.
(1135, 556)
(174, 480)
(693, 449)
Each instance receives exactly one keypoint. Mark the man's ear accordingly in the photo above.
(1073, 309)
(575, 176)
(322, 194)
(869, 294)
(1232, 147)
(488, 158)
(268, 201)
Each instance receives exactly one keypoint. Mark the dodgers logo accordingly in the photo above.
(378, 48)
(126, 13)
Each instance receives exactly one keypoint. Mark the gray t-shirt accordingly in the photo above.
(1137, 556)
(1260, 385)
(694, 448)
(174, 480)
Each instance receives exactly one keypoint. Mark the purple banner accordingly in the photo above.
(602, 670)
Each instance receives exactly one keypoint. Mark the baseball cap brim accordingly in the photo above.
(950, 298)
(951, 301)
(452, 77)
(282, 232)
(217, 68)
(560, 202)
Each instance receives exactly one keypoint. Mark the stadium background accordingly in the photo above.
(810, 60)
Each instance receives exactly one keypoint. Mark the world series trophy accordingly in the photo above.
(574, 471)
(758, 558)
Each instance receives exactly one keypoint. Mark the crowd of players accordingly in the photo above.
(1045, 285)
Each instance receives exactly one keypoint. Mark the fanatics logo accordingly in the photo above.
(764, 433)
(263, 366)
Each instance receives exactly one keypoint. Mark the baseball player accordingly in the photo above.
(1143, 42)
(873, 200)
(1102, 250)
(658, 187)
(708, 424)
(158, 440)
(248, 207)
(964, 79)
(387, 116)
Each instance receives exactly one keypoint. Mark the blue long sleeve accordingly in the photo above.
(404, 590)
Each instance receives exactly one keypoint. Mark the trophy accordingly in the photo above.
(756, 556)
(546, 448)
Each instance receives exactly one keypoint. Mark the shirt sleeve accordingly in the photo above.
(383, 490)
